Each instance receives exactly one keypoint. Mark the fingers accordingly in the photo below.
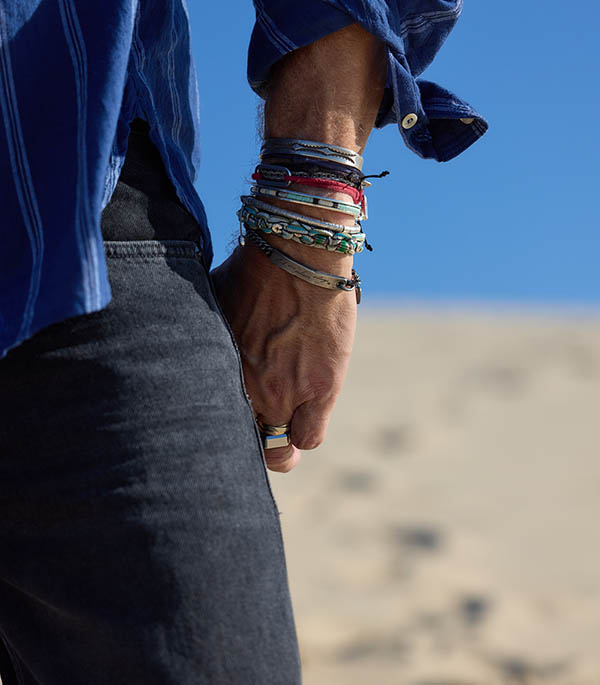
(308, 428)
(309, 424)
(282, 459)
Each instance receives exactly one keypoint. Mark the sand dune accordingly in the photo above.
(447, 533)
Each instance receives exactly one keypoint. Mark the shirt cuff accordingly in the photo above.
(280, 31)
(434, 123)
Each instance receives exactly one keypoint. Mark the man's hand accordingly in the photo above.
(295, 340)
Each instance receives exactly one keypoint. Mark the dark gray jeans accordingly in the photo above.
(139, 540)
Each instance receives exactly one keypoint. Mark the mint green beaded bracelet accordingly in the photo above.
(333, 241)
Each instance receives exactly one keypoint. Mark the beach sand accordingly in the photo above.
(447, 532)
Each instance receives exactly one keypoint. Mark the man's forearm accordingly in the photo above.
(295, 337)
(329, 91)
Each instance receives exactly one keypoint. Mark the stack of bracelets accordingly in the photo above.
(319, 167)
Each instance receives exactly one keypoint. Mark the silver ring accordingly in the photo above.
(272, 436)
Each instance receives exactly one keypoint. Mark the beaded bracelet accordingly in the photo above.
(295, 197)
(251, 201)
(275, 216)
(301, 233)
(311, 236)
(315, 182)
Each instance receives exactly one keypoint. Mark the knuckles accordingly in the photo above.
(309, 440)
(281, 467)
(309, 443)
(283, 462)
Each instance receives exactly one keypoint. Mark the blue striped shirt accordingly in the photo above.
(74, 74)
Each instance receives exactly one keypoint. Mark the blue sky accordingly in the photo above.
(514, 219)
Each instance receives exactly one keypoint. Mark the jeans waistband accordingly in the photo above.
(124, 249)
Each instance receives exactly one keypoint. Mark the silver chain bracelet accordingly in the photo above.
(306, 273)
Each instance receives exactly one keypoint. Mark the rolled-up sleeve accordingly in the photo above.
(434, 123)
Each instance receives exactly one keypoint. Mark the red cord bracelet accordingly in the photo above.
(328, 184)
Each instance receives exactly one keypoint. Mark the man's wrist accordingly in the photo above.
(316, 258)
(324, 260)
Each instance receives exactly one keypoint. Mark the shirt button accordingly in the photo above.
(409, 121)
(467, 120)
